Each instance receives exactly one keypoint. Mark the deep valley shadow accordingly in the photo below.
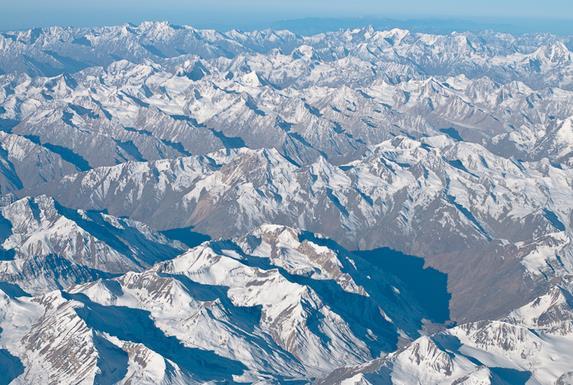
(10, 366)
(186, 236)
(422, 292)
(428, 286)
(505, 376)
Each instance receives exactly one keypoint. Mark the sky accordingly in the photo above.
(246, 14)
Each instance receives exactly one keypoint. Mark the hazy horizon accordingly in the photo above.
(312, 25)
(509, 15)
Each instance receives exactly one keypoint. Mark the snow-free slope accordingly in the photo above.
(439, 199)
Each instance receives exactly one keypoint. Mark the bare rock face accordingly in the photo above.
(565, 379)
(434, 198)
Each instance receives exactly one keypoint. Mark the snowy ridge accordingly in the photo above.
(47, 246)
(511, 351)
(478, 199)
(304, 96)
(212, 314)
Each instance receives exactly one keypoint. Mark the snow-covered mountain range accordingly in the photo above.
(361, 207)
(529, 346)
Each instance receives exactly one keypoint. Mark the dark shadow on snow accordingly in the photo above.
(452, 133)
(245, 319)
(65, 153)
(505, 376)
(12, 290)
(135, 325)
(500, 376)
(361, 313)
(139, 248)
(382, 270)
(112, 362)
